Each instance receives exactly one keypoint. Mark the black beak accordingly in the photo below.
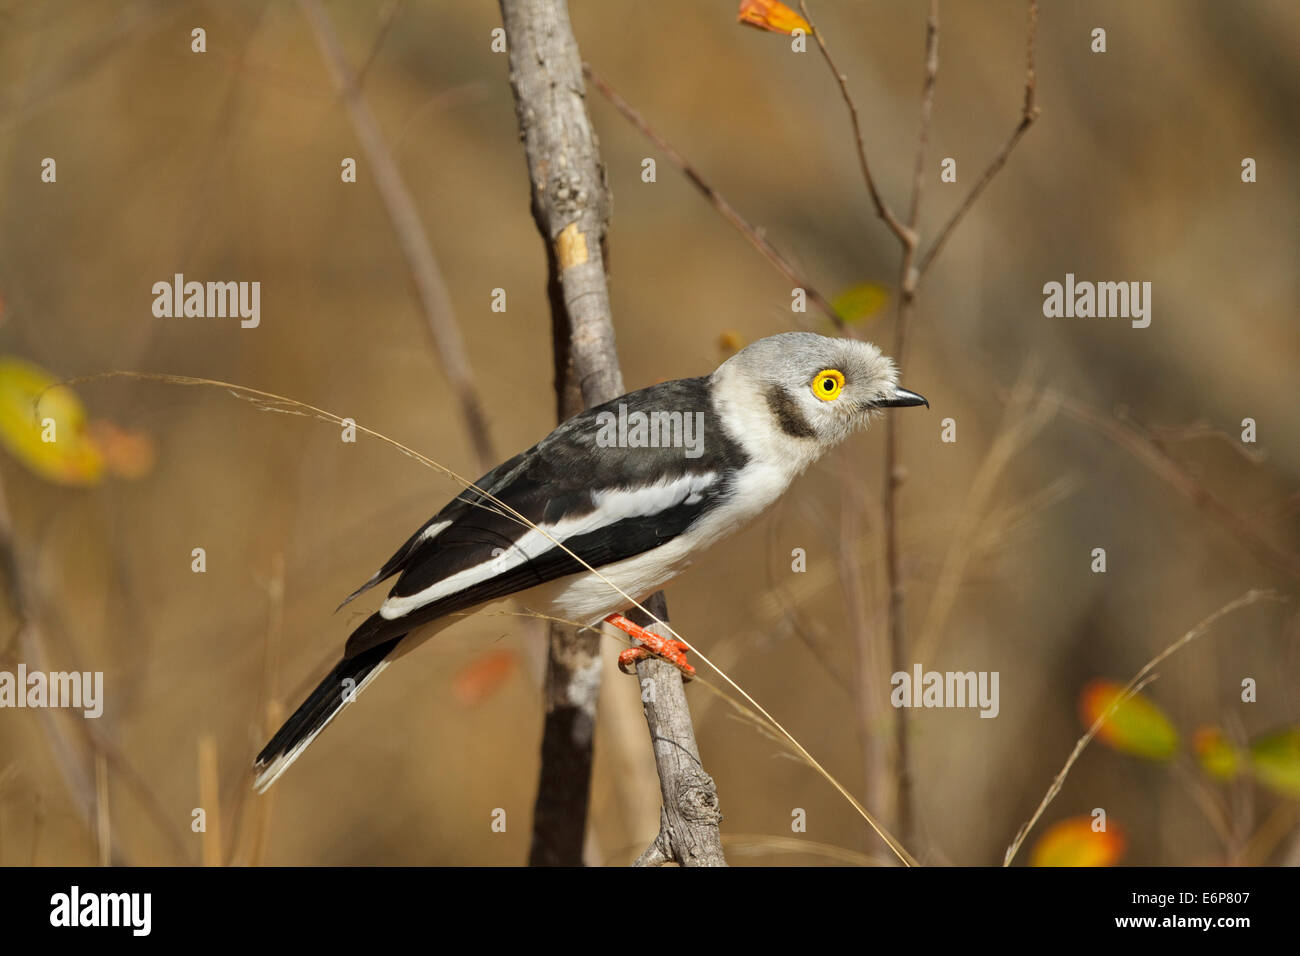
(902, 397)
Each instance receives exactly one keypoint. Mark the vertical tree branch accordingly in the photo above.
(869, 685)
(690, 814)
(910, 273)
(570, 205)
(894, 471)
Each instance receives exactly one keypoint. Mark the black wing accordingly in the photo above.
(558, 480)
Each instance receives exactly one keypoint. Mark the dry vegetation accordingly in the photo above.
(1072, 433)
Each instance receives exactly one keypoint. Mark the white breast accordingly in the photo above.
(587, 598)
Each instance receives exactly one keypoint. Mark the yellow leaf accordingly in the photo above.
(1136, 727)
(771, 15)
(1275, 759)
(44, 427)
(730, 342)
(1073, 842)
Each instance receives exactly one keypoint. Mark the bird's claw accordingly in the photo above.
(669, 649)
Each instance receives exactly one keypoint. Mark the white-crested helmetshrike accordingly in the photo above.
(635, 488)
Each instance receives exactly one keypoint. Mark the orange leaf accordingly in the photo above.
(771, 15)
(1073, 842)
(731, 342)
(128, 454)
(478, 679)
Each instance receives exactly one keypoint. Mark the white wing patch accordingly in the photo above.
(611, 506)
(434, 530)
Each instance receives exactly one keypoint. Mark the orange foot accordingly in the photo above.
(669, 649)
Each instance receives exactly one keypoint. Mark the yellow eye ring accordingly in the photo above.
(828, 384)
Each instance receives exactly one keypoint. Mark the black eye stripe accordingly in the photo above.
(787, 414)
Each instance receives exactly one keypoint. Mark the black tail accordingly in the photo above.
(330, 696)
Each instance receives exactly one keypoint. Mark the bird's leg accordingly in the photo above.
(669, 649)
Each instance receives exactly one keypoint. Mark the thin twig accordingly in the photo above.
(1128, 435)
(1173, 434)
(927, 111)
(1270, 833)
(1025, 416)
(1208, 801)
(894, 473)
(869, 677)
(905, 235)
(127, 774)
(719, 202)
(210, 800)
(65, 750)
(910, 273)
(103, 826)
(435, 298)
(387, 17)
(1140, 680)
(270, 708)
(1028, 115)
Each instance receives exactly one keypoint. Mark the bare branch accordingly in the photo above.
(1026, 414)
(870, 680)
(905, 235)
(569, 200)
(387, 17)
(1027, 118)
(927, 110)
(908, 277)
(71, 755)
(689, 818)
(719, 202)
(1130, 436)
(429, 282)
(211, 850)
(570, 204)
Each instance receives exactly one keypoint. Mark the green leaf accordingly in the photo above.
(1216, 754)
(1275, 760)
(1137, 726)
(860, 302)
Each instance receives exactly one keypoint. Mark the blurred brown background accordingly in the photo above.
(225, 166)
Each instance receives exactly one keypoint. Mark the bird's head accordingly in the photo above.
(810, 390)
